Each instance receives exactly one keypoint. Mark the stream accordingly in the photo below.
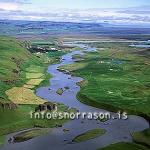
(117, 130)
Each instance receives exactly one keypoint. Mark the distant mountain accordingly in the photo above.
(49, 28)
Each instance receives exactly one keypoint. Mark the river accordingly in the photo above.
(117, 130)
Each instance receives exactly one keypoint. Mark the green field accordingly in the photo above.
(116, 77)
(21, 72)
(2, 140)
(21, 119)
(15, 65)
(19, 67)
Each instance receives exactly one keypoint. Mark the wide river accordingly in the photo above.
(117, 130)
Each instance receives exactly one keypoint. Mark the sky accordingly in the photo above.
(89, 3)
(110, 11)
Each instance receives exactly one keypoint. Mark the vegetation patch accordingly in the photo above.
(2, 140)
(21, 119)
(12, 55)
(78, 57)
(28, 86)
(104, 119)
(82, 83)
(20, 73)
(34, 69)
(30, 134)
(89, 135)
(142, 137)
(34, 75)
(74, 66)
(34, 81)
(21, 95)
(124, 146)
(46, 81)
(60, 91)
(117, 77)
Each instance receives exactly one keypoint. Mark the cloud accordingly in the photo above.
(135, 12)
(12, 5)
(16, 1)
(128, 15)
(8, 6)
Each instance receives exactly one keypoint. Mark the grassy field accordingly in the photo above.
(116, 77)
(21, 119)
(2, 139)
(12, 54)
(16, 66)
(125, 146)
(89, 135)
(21, 72)
(23, 95)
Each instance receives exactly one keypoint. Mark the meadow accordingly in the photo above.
(116, 76)
(21, 72)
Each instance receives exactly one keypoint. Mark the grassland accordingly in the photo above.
(21, 119)
(89, 135)
(16, 66)
(117, 77)
(21, 72)
(20, 69)
(12, 55)
(125, 146)
(25, 93)
(2, 139)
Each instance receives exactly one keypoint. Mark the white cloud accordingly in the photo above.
(9, 6)
(16, 11)
(16, 1)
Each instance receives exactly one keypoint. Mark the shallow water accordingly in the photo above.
(141, 46)
(117, 130)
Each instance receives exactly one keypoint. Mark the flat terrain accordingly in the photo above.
(117, 77)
